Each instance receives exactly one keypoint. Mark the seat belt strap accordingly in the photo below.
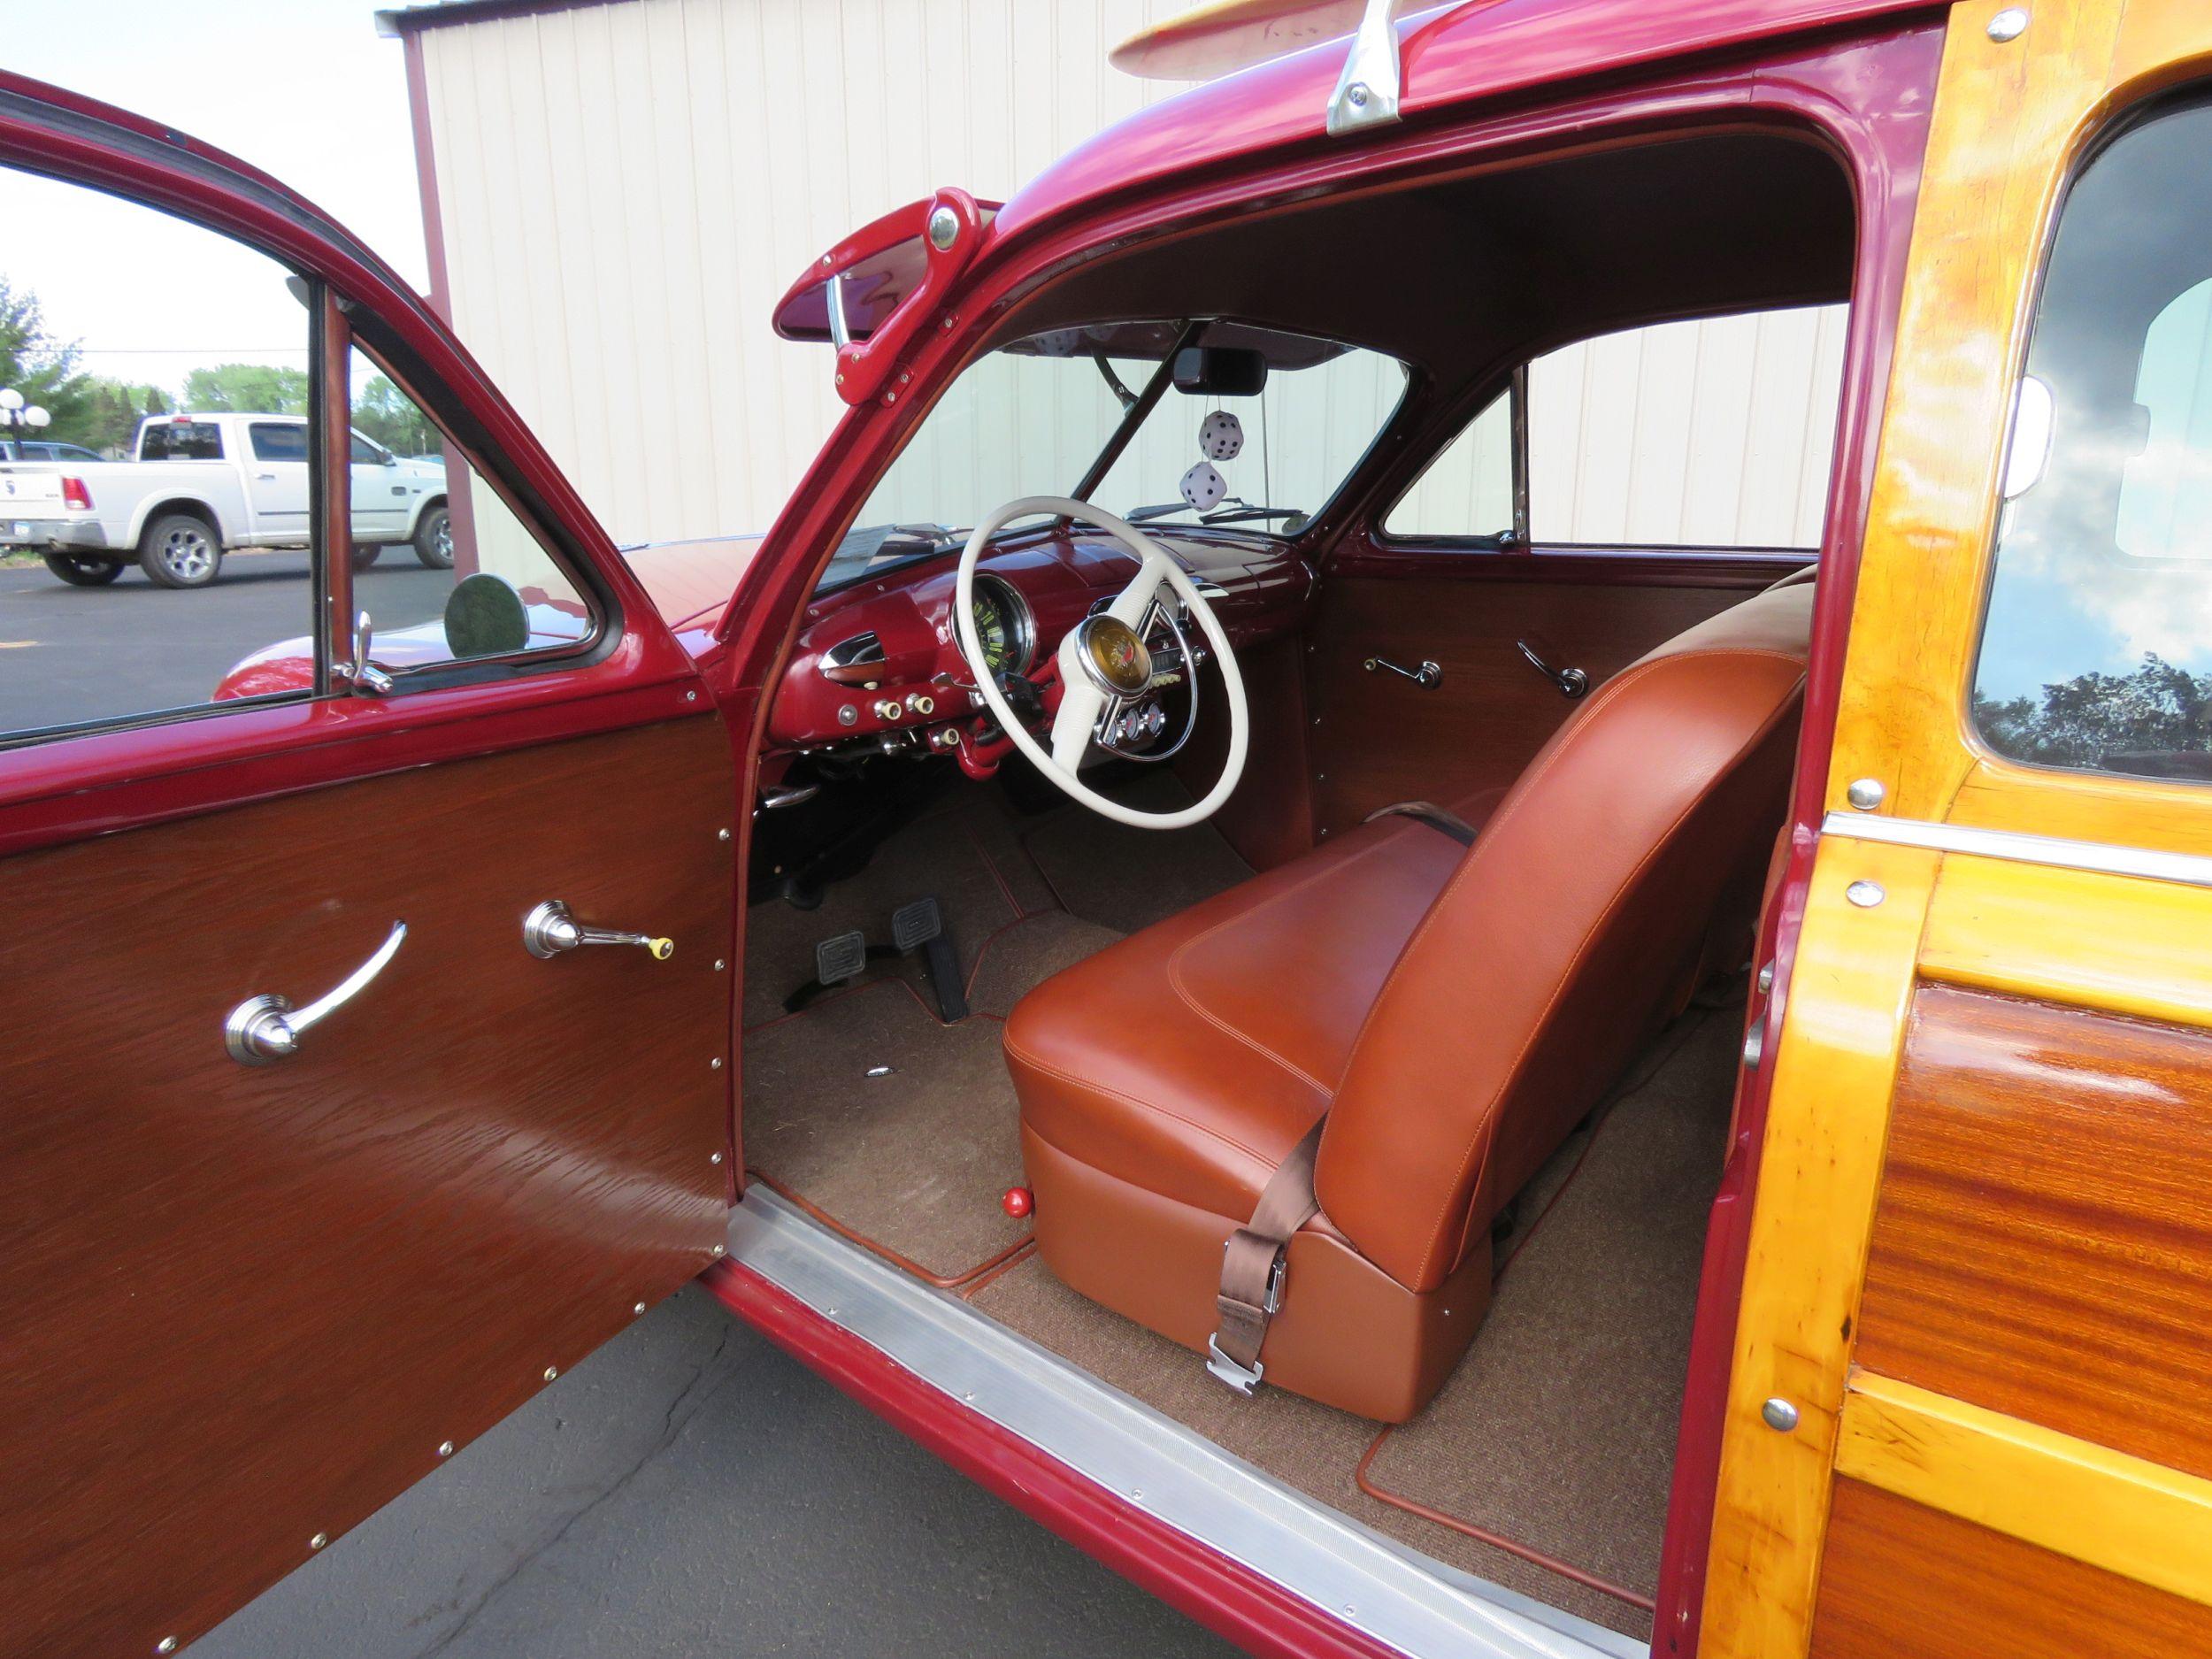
(1432, 815)
(1252, 1265)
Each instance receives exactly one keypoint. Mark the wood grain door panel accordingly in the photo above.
(1379, 739)
(243, 1306)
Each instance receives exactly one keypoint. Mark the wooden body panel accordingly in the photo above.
(1379, 739)
(1999, 1443)
(243, 1306)
(2043, 1244)
(1903, 1581)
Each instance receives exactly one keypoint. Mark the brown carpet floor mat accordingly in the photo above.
(1557, 1431)
(912, 1161)
(1125, 878)
(1029, 952)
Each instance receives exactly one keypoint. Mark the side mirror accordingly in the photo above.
(1220, 371)
(485, 616)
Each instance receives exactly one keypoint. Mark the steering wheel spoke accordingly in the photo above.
(1106, 666)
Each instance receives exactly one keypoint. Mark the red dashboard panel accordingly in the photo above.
(1058, 575)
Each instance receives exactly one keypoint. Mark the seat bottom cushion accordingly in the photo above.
(1190, 1058)
(1347, 1335)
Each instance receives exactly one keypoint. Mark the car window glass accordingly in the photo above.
(135, 589)
(443, 566)
(181, 439)
(2096, 648)
(1714, 433)
(1468, 489)
(279, 441)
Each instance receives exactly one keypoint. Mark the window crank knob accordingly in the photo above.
(549, 930)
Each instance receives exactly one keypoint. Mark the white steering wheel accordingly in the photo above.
(1105, 666)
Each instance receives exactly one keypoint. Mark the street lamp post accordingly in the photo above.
(18, 417)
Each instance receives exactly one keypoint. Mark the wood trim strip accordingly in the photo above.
(1820, 1167)
(2017, 929)
(2125, 1515)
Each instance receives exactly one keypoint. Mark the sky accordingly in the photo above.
(304, 90)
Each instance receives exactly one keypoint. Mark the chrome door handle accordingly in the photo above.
(264, 1029)
(549, 929)
(1428, 676)
(1572, 682)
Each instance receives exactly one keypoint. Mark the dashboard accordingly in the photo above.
(877, 669)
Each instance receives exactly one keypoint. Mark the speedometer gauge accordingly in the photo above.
(1002, 626)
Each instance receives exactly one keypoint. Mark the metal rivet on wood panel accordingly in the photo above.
(319, 1541)
(714, 1158)
(167, 1644)
(1778, 1415)
(718, 1250)
(445, 1449)
(551, 1371)
(637, 1307)
(2009, 24)
(721, 836)
(719, 965)
(715, 1064)
(1865, 794)
(1865, 894)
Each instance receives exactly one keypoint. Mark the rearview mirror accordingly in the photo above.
(1220, 371)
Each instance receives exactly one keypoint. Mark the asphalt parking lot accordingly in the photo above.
(70, 653)
(690, 1489)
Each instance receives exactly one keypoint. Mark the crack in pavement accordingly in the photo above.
(673, 1424)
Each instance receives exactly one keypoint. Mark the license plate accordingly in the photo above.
(22, 530)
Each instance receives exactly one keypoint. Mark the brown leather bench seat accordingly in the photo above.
(1455, 1011)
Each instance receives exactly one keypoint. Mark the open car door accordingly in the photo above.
(1968, 1403)
(323, 1143)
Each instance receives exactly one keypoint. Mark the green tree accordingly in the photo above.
(112, 412)
(2155, 722)
(37, 365)
(247, 388)
(389, 415)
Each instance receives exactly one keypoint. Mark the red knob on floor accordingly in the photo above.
(1018, 1202)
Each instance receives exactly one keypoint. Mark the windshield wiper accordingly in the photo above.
(1239, 514)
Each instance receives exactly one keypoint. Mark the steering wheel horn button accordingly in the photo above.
(1117, 660)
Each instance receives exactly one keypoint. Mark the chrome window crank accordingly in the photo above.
(264, 1029)
(1572, 682)
(549, 930)
(1428, 676)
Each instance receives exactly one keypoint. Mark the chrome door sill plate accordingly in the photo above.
(1354, 1574)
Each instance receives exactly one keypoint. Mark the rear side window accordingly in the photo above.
(181, 440)
(2096, 649)
(278, 440)
(1710, 434)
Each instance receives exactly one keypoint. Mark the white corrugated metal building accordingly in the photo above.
(617, 193)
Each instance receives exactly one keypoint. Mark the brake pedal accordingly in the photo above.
(920, 926)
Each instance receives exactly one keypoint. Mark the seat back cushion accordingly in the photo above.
(1570, 934)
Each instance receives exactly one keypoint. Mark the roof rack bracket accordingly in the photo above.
(1367, 92)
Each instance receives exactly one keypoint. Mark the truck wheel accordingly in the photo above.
(366, 555)
(434, 539)
(179, 550)
(80, 571)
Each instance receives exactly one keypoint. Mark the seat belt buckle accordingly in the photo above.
(1243, 1378)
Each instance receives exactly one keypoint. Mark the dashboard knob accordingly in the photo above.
(886, 709)
(921, 702)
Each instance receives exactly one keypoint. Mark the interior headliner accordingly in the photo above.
(1480, 271)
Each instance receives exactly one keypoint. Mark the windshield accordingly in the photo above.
(1037, 415)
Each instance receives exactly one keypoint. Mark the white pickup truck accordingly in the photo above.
(203, 484)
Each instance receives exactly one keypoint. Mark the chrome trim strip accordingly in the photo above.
(1378, 1585)
(2187, 869)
